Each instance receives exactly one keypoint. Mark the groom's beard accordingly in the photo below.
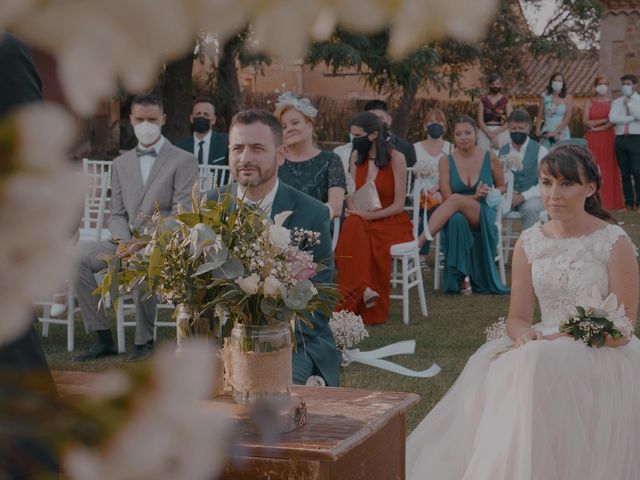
(252, 175)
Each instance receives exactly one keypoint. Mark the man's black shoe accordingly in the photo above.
(97, 350)
(141, 352)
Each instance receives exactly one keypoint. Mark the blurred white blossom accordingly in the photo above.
(170, 434)
(99, 44)
(40, 209)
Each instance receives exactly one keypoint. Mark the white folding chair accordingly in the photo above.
(101, 167)
(509, 216)
(126, 308)
(211, 176)
(97, 167)
(68, 321)
(406, 272)
(95, 204)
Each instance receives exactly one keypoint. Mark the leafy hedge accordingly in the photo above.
(334, 115)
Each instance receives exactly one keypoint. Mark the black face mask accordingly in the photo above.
(201, 124)
(495, 90)
(435, 130)
(518, 137)
(362, 145)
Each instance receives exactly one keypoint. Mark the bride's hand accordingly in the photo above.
(527, 336)
(609, 342)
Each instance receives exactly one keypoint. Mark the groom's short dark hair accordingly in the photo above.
(257, 115)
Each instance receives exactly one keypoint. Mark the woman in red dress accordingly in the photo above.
(600, 137)
(362, 254)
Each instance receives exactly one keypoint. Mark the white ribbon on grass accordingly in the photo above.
(374, 359)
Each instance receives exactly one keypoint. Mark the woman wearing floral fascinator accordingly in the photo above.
(556, 399)
(317, 173)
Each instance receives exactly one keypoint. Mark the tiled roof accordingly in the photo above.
(579, 73)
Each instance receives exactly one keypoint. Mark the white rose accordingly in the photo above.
(249, 285)
(279, 237)
(272, 287)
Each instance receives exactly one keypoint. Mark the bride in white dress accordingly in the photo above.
(553, 408)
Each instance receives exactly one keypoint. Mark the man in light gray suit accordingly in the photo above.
(153, 173)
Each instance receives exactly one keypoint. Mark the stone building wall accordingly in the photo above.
(620, 41)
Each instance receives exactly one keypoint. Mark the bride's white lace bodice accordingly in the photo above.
(562, 269)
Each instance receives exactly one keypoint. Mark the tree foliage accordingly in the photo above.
(440, 64)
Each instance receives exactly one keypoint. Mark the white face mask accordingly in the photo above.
(147, 132)
(556, 85)
(602, 89)
(627, 90)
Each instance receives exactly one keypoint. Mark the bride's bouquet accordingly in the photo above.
(595, 319)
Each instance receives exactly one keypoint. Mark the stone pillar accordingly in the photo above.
(620, 41)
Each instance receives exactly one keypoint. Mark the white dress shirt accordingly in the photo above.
(534, 191)
(620, 115)
(205, 147)
(147, 161)
(265, 204)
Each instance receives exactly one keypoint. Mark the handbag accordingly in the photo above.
(366, 198)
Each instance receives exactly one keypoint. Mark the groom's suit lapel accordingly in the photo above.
(282, 202)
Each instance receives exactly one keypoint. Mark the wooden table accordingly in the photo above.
(350, 434)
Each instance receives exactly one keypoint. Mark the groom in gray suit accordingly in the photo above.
(155, 173)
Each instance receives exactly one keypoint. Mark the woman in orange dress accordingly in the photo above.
(601, 138)
(362, 254)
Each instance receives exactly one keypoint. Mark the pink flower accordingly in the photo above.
(306, 273)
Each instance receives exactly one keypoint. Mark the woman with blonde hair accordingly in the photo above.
(315, 172)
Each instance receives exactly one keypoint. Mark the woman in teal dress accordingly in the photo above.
(471, 178)
(554, 112)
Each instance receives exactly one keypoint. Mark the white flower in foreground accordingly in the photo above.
(40, 208)
(249, 285)
(171, 433)
(99, 44)
(279, 237)
(607, 307)
(415, 21)
(272, 287)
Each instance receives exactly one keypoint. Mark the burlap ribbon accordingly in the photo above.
(257, 373)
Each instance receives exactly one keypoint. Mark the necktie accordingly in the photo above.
(200, 152)
(141, 153)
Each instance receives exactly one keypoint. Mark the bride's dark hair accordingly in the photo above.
(575, 164)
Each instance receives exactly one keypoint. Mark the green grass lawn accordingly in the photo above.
(453, 330)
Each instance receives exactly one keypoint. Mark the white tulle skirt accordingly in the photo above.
(550, 410)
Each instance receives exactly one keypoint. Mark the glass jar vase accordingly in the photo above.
(259, 363)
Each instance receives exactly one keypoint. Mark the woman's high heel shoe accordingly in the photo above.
(465, 287)
(370, 297)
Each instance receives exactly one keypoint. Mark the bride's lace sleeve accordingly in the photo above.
(606, 239)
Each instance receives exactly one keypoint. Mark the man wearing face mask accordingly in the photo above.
(526, 193)
(625, 115)
(209, 147)
(380, 110)
(155, 174)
